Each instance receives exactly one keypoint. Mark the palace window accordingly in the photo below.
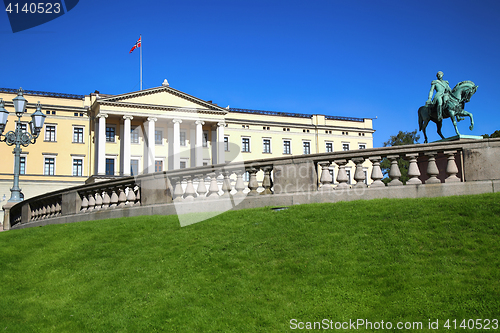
(158, 137)
(78, 167)
(205, 138)
(361, 146)
(158, 165)
(329, 147)
(110, 167)
(77, 134)
(49, 166)
(245, 145)
(110, 134)
(307, 147)
(345, 146)
(266, 143)
(50, 133)
(183, 138)
(286, 147)
(134, 134)
(226, 143)
(22, 165)
(134, 167)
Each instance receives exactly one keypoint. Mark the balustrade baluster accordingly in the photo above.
(130, 196)
(413, 171)
(58, 209)
(376, 172)
(240, 185)
(122, 198)
(394, 172)
(326, 178)
(190, 193)
(106, 200)
(113, 198)
(213, 190)
(226, 184)
(137, 196)
(202, 188)
(267, 182)
(432, 169)
(451, 167)
(98, 200)
(253, 185)
(85, 203)
(359, 174)
(91, 201)
(44, 211)
(178, 192)
(342, 175)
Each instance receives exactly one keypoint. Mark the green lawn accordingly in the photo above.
(255, 270)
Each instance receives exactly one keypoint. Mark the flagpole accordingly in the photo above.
(140, 37)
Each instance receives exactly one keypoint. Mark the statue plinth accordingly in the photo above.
(461, 137)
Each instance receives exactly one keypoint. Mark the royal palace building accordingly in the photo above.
(97, 136)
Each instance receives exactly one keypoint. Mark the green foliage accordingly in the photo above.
(495, 134)
(255, 270)
(402, 138)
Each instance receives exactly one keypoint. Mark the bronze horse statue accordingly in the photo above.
(453, 108)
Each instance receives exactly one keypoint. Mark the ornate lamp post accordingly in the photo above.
(19, 137)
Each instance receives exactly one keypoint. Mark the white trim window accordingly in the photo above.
(306, 145)
(50, 133)
(362, 146)
(134, 134)
(245, 145)
(159, 137)
(110, 133)
(22, 165)
(329, 147)
(345, 146)
(266, 146)
(49, 166)
(287, 147)
(182, 138)
(78, 166)
(226, 143)
(78, 134)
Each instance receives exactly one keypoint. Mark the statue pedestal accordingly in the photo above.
(461, 137)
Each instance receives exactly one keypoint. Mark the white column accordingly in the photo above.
(199, 143)
(101, 144)
(177, 144)
(151, 145)
(221, 158)
(126, 145)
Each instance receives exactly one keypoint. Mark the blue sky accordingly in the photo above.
(346, 58)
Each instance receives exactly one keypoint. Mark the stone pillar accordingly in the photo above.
(432, 169)
(413, 171)
(150, 159)
(126, 145)
(359, 174)
(101, 144)
(394, 173)
(199, 143)
(342, 175)
(376, 172)
(451, 167)
(221, 158)
(177, 144)
(326, 177)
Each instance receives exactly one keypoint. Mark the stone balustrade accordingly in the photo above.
(434, 169)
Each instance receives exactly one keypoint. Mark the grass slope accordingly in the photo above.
(255, 270)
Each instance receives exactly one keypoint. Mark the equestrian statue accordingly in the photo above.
(447, 103)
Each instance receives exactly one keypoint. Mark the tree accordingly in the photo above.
(495, 134)
(402, 138)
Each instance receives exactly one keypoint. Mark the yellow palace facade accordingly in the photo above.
(88, 137)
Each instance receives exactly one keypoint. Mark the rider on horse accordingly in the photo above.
(443, 91)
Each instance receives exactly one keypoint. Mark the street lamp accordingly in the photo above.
(18, 137)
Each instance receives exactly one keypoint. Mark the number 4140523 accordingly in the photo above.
(35, 8)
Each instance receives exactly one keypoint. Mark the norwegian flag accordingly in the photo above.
(137, 44)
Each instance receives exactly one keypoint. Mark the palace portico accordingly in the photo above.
(155, 130)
